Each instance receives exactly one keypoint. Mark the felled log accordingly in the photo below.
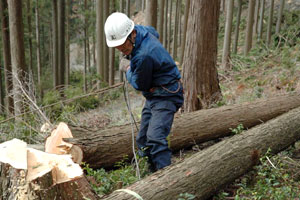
(28, 173)
(207, 171)
(103, 148)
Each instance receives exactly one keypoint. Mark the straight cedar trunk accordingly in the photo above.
(165, 24)
(68, 7)
(38, 50)
(7, 57)
(17, 51)
(61, 44)
(200, 77)
(249, 29)
(227, 37)
(103, 148)
(99, 40)
(55, 45)
(185, 21)
(270, 23)
(237, 27)
(85, 41)
(29, 35)
(151, 13)
(261, 19)
(105, 47)
(161, 20)
(279, 16)
(170, 26)
(206, 172)
(2, 110)
(175, 33)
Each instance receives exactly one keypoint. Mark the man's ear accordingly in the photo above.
(133, 35)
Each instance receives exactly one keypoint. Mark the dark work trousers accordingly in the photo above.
(157, 118)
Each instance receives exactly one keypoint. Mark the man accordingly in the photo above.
(152, 71)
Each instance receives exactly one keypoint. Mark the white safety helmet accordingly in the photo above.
(117, 28)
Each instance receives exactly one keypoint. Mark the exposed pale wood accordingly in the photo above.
(27, 173)
(103, 148)
(207, 171)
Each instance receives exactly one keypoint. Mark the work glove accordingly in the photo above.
(124, 65)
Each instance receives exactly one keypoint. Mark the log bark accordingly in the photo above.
(207, 171)
(102, 148)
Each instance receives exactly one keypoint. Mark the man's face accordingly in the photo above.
(126, 48)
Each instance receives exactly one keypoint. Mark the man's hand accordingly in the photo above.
(124, 65)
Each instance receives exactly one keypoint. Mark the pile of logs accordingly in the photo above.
(53, 174)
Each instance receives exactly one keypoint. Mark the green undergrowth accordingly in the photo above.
(275, 178)
(105, 182)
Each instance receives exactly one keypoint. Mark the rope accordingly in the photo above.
(132, 121)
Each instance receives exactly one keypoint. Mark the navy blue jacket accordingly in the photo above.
(151, 66)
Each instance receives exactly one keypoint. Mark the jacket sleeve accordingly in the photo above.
(140, 73)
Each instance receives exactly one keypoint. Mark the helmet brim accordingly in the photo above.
(115, 43)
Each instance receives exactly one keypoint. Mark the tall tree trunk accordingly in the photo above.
(68, 8)
(61, 44)
(200, 77)
(2, 106)
(99, 41)
(151, 13)
(7, 57)
(227, 37)
(208, 171)
(17, 50)
(279, 16)
(270, 22)
(249, 30)
(55, 44)
(170, 26)
(261, 19)
(175, 33)
(112, 67)
(106, 50)
(256, 14)
(161, 20)
(237, 26)
(128, 13)
(143, 5)
(121, 77)
(85, 48)
(165, 24)
(29, 35)
(38, 50)
(186, 15)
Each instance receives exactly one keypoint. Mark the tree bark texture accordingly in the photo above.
(99, 39)
(200, 77)
(206, 172)
(270, 23)
(261, 19)
(61, 42)
(151, 13)
(13, 185)
(7, 56)
(249, 29)
(38, 50)
(19, 69)
(227, 37)
(161, 20)
(29, 35)
(237, 26)
(105, 47)
(103, 148)
(185, 22)
(175, 33)
(55, 44)
(279, 16)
